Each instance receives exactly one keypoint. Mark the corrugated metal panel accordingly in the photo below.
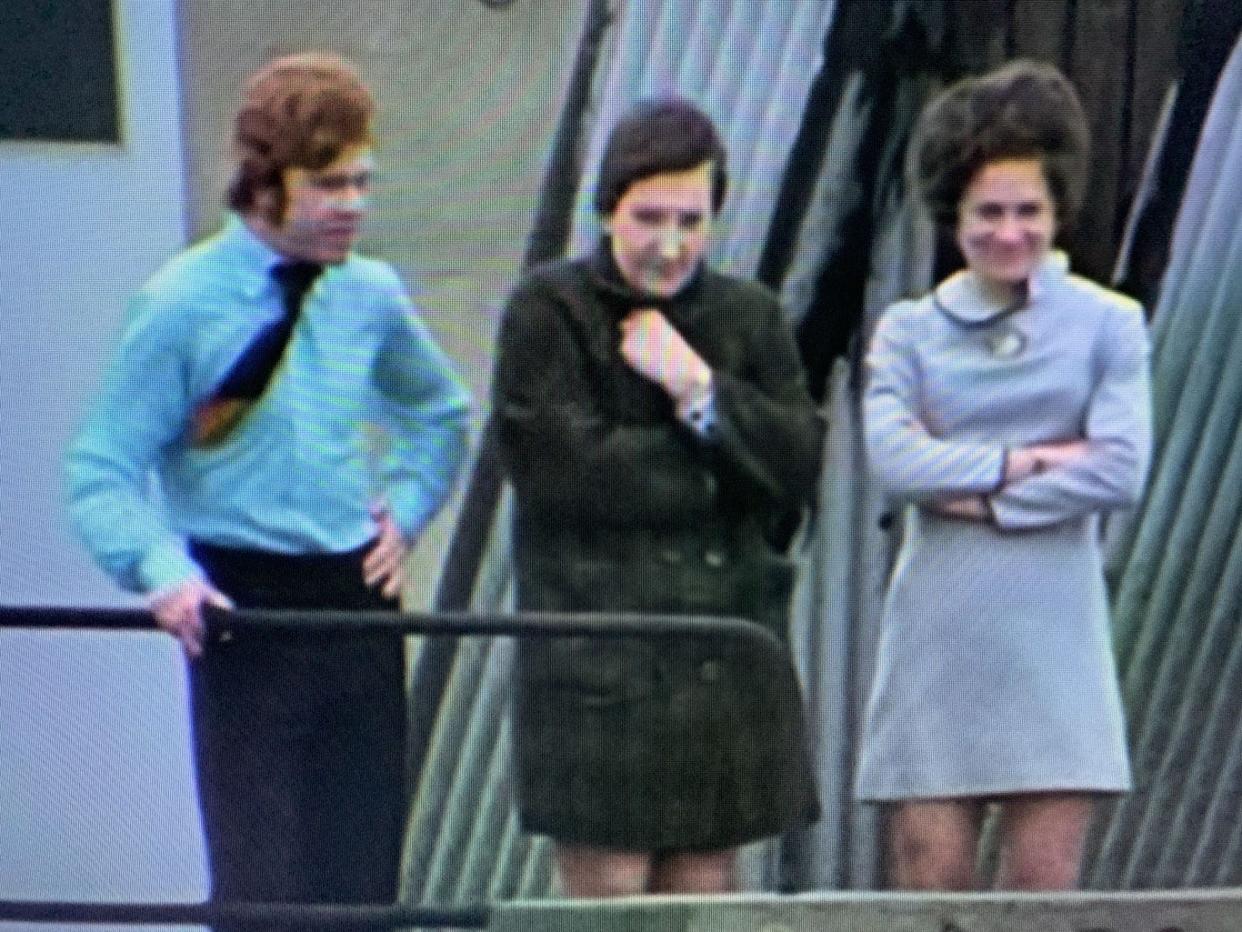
(1177, 567)
(749, 64)
(1177, 603)
(1179, 561)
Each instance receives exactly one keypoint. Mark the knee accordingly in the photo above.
(692, 872)
(922, 862)
(1032, 867)
(1042, 841)
(592, 872)
(919, 865)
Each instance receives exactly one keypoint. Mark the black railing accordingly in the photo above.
(261, 915)
(223, 625)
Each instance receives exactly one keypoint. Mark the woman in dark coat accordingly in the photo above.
(658, 435)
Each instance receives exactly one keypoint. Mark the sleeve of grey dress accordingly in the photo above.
(1117, 430)
(910, 463)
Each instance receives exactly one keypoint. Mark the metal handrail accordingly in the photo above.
(221, 625)
(300, 915)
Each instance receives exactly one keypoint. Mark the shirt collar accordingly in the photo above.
(252, 255)
(961, 298)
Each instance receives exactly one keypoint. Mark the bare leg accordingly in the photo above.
(1042, 840)
(933, 844)
(694, 872)
(587, 871)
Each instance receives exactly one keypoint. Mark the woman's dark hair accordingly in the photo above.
(654, 137)
(298, 111)
(1025, 109)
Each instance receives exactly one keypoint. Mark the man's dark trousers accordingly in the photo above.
(299, 740)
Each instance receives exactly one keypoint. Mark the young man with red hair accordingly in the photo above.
(248, 372)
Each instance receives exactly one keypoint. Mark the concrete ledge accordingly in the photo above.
(1163, 911)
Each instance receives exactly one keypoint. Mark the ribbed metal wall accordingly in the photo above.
(749, 64)
(1175, 564)
(1178, 562)
(1175, 567)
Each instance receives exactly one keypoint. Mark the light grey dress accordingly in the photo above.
(995, 672)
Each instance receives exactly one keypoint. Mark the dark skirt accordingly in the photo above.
(673, 743)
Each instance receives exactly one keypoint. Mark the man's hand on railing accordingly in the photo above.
(179, 610)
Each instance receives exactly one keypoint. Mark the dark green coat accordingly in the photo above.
(680, 742)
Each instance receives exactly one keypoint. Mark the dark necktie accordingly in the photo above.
(249, 376)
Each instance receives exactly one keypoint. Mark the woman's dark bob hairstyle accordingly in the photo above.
(657, 136)
(1025, 109)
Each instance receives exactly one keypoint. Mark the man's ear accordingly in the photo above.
(270, 204)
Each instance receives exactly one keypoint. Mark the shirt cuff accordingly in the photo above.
(698, 411)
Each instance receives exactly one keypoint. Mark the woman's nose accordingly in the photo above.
(1009, 228)
(670, 242)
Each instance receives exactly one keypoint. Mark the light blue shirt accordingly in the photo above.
(363, 408)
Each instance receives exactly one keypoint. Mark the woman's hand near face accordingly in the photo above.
(652, 347)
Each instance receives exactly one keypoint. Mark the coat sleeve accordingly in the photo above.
(766, 429)
(564, 453)
(911, 463)
(1118, 432)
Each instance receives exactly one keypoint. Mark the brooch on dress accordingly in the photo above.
(1006, 343)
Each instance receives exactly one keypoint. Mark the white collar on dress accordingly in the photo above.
(960, 297)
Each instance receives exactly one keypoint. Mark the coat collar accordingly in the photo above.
(621, 297)
(960, 297)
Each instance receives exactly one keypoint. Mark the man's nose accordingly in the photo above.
(355, 198)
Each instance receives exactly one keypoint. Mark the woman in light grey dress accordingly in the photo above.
(1010, 409)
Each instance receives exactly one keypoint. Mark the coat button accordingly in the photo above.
(709, 671)
(714, 558)
(671, 555)
(709, 484)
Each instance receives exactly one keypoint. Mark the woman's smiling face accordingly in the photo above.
(1006, 222)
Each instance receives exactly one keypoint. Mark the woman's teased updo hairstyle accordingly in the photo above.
(655, 137)
(300, 111)
(1025, 109)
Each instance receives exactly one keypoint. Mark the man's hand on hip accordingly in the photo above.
(384, 566)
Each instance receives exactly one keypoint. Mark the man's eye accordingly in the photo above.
(333, 184)
(989, 211)
(690, 221)
(649, 218)
(1031, 210)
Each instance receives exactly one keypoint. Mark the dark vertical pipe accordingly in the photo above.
(547, 239)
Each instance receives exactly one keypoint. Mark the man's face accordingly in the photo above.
(324, 208)
(660, 227)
